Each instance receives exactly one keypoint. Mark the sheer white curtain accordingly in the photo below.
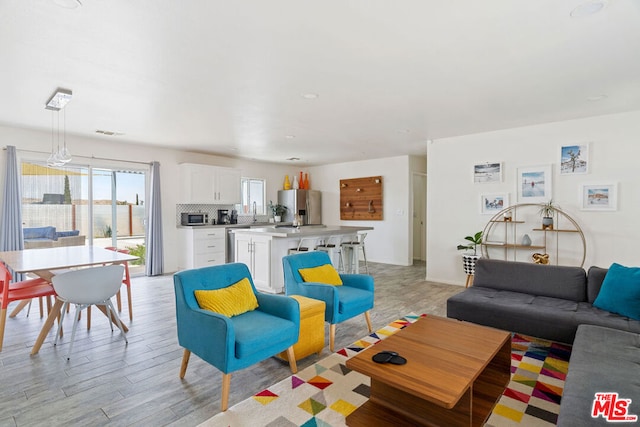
(155, 253)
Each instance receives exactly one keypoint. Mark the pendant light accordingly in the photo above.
(64, 155)
(57, 102)
(51, 161)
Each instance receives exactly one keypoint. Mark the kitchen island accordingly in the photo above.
(262, 249)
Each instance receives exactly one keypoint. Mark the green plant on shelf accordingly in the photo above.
(277, 210)
(475, 240)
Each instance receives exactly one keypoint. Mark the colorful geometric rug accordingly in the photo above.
(323, 394)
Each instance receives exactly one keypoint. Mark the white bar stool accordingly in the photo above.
(333, 247)
(302, 247)
(352, 249)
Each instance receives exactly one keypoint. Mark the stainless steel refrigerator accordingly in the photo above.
(306, 203)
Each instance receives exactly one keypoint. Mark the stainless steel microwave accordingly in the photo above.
(194, 218)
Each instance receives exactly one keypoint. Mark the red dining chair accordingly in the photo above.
(24, 290)
(126, 280)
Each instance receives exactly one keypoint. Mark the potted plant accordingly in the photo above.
(547, 210)
(469, 259)
(277, 211)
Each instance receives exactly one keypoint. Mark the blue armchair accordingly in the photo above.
(232, 343)
(354, 297)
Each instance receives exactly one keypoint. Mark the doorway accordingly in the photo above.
(100, 206)
(419, 185)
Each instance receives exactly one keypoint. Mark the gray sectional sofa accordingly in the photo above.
(556, 303)
(544, 301)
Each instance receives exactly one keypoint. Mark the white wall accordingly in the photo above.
(390, 240)
(453, 200)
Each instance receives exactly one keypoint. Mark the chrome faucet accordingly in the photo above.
(255, 211)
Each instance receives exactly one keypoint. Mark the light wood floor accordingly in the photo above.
(109, 383)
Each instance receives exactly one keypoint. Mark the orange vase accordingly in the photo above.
(306, 181)
(300, 180)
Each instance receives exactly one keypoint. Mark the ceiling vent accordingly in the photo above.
(108, 132)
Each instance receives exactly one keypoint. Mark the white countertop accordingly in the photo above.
(304, 231)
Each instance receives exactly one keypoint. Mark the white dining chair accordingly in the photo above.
(86, 287)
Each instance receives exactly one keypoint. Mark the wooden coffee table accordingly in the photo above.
(454, 375)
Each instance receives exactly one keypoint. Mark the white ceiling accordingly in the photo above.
(227, 77)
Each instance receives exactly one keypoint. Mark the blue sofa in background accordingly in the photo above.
(49, 237)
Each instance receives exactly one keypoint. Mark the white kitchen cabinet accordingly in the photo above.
(228, 186)
(204, 184)
(255, 252)
(201, 247)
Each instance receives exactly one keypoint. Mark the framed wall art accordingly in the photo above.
(574, 159)
(534, 184)
(491, 204)
(599, 197)
(487, 172)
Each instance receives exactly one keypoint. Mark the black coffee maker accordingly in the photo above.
(223, 216)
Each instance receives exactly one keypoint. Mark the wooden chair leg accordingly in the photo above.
(292, 360)
(185, 362)
(226, 384)
(130, 306)
(22, 304)
(119, 301)
(367, 317)
(332, 336)
(3, 320)
(41, 307)
(88, 318)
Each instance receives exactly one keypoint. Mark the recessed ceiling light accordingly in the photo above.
(68, 4)
(596, 98)
(588, 8)
(289, 136)
(310, 95)
(293, 159)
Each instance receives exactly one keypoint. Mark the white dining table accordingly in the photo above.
(44, 262)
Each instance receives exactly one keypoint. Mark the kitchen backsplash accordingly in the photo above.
(212, 211)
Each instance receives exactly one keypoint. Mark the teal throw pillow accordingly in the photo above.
(620, 291)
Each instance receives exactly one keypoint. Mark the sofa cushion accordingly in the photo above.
(544, 280)
(620, 291)
(39, 233)
(590, 315)
(538, 316)
(70, 233)
(602, 360)
(595, 277)
(274, 330)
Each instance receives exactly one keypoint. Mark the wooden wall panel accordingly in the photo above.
(361, 198)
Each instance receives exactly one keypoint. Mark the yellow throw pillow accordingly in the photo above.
(323, 274)
(230, 301)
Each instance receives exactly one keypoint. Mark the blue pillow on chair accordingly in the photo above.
(620, 291)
